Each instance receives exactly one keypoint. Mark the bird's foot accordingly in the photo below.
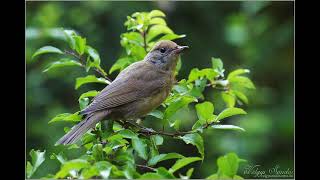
(148, 131)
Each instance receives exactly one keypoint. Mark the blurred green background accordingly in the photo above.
(254, 35)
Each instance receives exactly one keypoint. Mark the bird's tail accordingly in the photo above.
(78, 130)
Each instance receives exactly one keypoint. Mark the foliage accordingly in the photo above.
(227, 167)
(115, 149)
(37, 158)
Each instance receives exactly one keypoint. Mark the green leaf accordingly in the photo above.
(156, 30)
(73, 146)
(97, 152)
(115, 142)
(62, 63)
(94, 55)
(84, 100)
(194, 75)
(153, 148)
(66, 117)
(150, 175)
(90, 79)
(198, 126)
(241, 96)
(165, 173)
(140, 146)
(138, 23)
(130, 172)
(83, 103)
(197, 74)
(236, 177)
(229, 112)
(157, 20)
(183, 162)
(76, 164)
(47, 49)
(156, 13)
(241, 81)
(172, 37)
(80, 44)
(90, 172)
(69, 34)
(228, 164)
(156, 113)
(175, 124)
(227, 127)
(189, 172)
(125, 156)
(182, 87)
(66, 129)
(178, 67)
(157, 139)
(92, 93)
(229, 99)
(162, 157)
(121, 64)
(29, 169)
(205, 112)
(60, 157)
(37, 158)
(178, 104)
(209, 73)
(217, 65)
(199, 86)
(213, 177)
(126, 133)
(131, 38)
(237, 73)
(87, 138)
(196, 140)
(136, 52)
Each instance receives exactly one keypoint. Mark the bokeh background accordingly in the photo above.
(254, 35)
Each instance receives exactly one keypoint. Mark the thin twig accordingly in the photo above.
(174, 134)
(146, 167)
(82, 61)
(148, 132)
(144, 33)
(214, 85)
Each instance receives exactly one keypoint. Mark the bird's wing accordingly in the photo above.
(130, 85)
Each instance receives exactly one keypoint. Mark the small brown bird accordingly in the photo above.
(136, 91)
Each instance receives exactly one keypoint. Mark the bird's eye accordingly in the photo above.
(163, 50)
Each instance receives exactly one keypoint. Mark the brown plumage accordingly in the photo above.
(136, 91)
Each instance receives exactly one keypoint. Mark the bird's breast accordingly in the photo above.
(147, 104)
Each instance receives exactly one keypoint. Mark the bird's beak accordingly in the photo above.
(180, 49)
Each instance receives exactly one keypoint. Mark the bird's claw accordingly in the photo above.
(147, 130)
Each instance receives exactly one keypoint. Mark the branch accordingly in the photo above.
(146, 167)
(82, 61)
(148, 131)
(144, 33)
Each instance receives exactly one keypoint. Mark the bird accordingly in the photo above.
(137, 90)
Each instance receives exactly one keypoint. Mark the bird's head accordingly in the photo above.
(165, 54)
